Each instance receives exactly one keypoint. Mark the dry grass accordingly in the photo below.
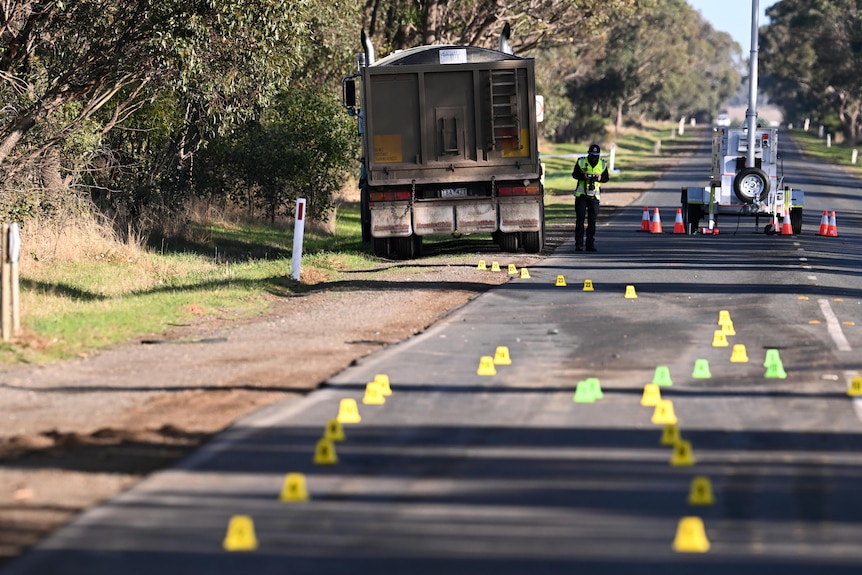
(73, 240)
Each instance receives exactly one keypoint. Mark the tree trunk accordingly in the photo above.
(52, 180)
(432, 21)
(21, 127)
(618, 125)
(26, 123)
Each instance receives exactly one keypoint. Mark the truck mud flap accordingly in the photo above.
(520, 217)
(476, 218)
(391, 221)
(433, 219)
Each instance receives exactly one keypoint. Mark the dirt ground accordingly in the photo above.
(75, 433)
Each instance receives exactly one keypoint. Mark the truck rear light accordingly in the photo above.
(518, 191)
(389, 196)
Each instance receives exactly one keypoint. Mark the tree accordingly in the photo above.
(662, 62)
(813, 49)
(61, 62)
(300, 147)
(400, 24)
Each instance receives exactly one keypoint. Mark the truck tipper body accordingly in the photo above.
(449, 146)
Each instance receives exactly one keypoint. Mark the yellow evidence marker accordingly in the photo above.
(240, 534)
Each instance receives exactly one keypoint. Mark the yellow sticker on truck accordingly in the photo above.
(387, 149)
(511, 149)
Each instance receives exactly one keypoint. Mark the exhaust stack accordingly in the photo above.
(504, 39)
(369, 49)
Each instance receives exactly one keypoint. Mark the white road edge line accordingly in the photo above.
(833, 326)
(247, 426)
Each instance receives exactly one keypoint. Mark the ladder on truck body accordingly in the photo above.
(505, 100)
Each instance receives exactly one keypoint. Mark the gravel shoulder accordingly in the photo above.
(76, 433)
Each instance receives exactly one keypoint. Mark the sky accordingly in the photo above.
(733, 17)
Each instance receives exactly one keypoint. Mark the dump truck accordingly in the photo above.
(449, 146)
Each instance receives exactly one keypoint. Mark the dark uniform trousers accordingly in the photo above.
(586, 207)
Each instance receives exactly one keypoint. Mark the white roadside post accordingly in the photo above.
(854, 155)
(14, 257)
(9, 290)
(613, 159)
(298, 231)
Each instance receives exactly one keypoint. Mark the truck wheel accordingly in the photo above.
(751, 184)
(796, 220)
(404, 248)
(382, 247)
(364, 214)
(532, 242)
(509, 242)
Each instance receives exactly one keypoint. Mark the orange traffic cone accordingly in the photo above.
(833, 226)
(645, 220)
(678, 226)
(786, 228)
(824, 224)
(655, 228)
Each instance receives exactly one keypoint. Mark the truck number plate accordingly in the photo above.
(453, 193)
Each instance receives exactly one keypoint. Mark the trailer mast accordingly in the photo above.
(751, 114)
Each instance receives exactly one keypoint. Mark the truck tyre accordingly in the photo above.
(509, 242)
(796, 220)
(382, 247)
(404, 248)
(751, 184)
(364, 213)
(532, 242)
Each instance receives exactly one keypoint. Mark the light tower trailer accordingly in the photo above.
(744, 178)
(449, 146)
(738, 189)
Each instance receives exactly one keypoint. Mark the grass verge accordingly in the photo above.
(81, 292)
(834, 155)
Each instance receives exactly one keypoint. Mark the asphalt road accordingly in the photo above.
(465, 473)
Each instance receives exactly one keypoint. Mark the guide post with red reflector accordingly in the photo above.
(298, 231)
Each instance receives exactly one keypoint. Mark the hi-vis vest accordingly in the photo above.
(586, 168)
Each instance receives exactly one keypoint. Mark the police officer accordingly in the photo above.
(591, 171)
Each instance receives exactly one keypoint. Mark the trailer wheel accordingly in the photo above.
(751, 184)
(509, 242)
(796, 220)
(694, 213)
